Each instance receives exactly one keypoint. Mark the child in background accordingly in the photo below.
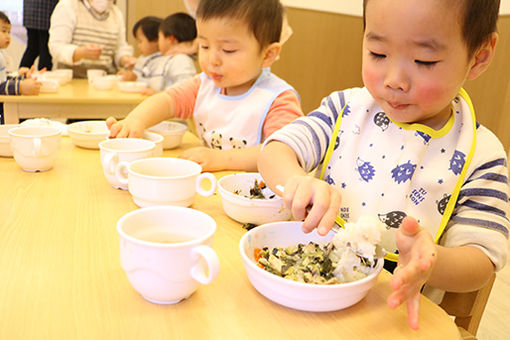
(408, 150)
(236, 102)
(167, 66)
(145, 32)
(23, 84)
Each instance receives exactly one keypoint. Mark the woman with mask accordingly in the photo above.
(86, 34)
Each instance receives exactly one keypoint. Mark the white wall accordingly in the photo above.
(353, 7)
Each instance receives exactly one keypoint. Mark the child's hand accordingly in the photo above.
(149, 91)
(127, 75)
(209, 159)
(124, 128)
(29, 87)
(416, 260)
(302, 192)
(23, 71)
(127, 62)
(89, 51)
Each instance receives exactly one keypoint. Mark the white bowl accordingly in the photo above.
(5, 141)
(298, 295)
(65, 74)
(88, 134)
(131, 86)
(48, 85)
(157, 139)
(45, 122)
(172, 133)
(104, 83)
(249, 210)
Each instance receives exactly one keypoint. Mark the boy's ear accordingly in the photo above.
(483, 57)
(271, 53)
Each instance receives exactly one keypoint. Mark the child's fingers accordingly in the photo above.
(413, 311)
(110, 121)
(115, 129)
(329, 217)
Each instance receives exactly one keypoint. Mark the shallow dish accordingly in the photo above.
(5, 141)
(249, 210)
(298, 295)
(131, 86)
(172, 133)
(88, 134)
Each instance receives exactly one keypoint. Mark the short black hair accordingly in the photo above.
(478, 21)
(181, 25)
(4, 18)
(149, 26)
(264, 17)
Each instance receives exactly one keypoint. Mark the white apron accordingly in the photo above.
(400, 169)
(225, 122)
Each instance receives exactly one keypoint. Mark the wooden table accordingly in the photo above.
(76, 99)
(60, 273)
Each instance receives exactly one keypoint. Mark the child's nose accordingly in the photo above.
(396, 78)
(214, 58)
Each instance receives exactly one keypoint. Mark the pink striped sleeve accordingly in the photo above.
(285, 109)
(184, 96)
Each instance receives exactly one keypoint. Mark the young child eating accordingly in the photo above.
(236, 102)
(407, 149)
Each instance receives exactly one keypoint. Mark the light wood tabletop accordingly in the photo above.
(60, 273)
(76, 99)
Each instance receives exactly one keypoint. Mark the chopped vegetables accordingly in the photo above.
(256, 191)
(351, 256)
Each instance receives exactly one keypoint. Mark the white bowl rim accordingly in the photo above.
(243, 199)
(55, 131)
(71, 128)
(180, 127)
(281, 280)
(157, 159)
(134, 240)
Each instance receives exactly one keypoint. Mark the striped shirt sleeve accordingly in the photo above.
(481, 215)
(309, 136)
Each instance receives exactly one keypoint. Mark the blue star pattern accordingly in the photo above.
(403, 172)
(365, 169)
(457, 162)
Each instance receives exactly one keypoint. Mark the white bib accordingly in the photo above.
(225, 122)
(399, 169)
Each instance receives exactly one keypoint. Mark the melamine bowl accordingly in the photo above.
(5, 141)
(292, 294)
(250, 210)
(88, 134)
(172, 133)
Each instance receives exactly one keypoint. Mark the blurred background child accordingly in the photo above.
(236, 102)
(22, 84)
(145, 32)
(87, 34)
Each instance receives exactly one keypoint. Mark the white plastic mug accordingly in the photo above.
(35, 148)
(164, 181)
(167, 252)
(157, 139)
(117, 153)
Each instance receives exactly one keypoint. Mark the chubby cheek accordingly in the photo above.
(430, 95)
(370, 79)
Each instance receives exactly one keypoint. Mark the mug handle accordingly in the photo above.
(37, 146)
(198, 185)
(212, 261)
(121, 172)
(110, 162)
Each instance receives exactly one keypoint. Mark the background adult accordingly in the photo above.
(36, 19)
(87, 34)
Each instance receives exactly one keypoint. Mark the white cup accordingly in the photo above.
(167, 252)
(117, 153)
(165, 181)
(94, 73)
(35, 148)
